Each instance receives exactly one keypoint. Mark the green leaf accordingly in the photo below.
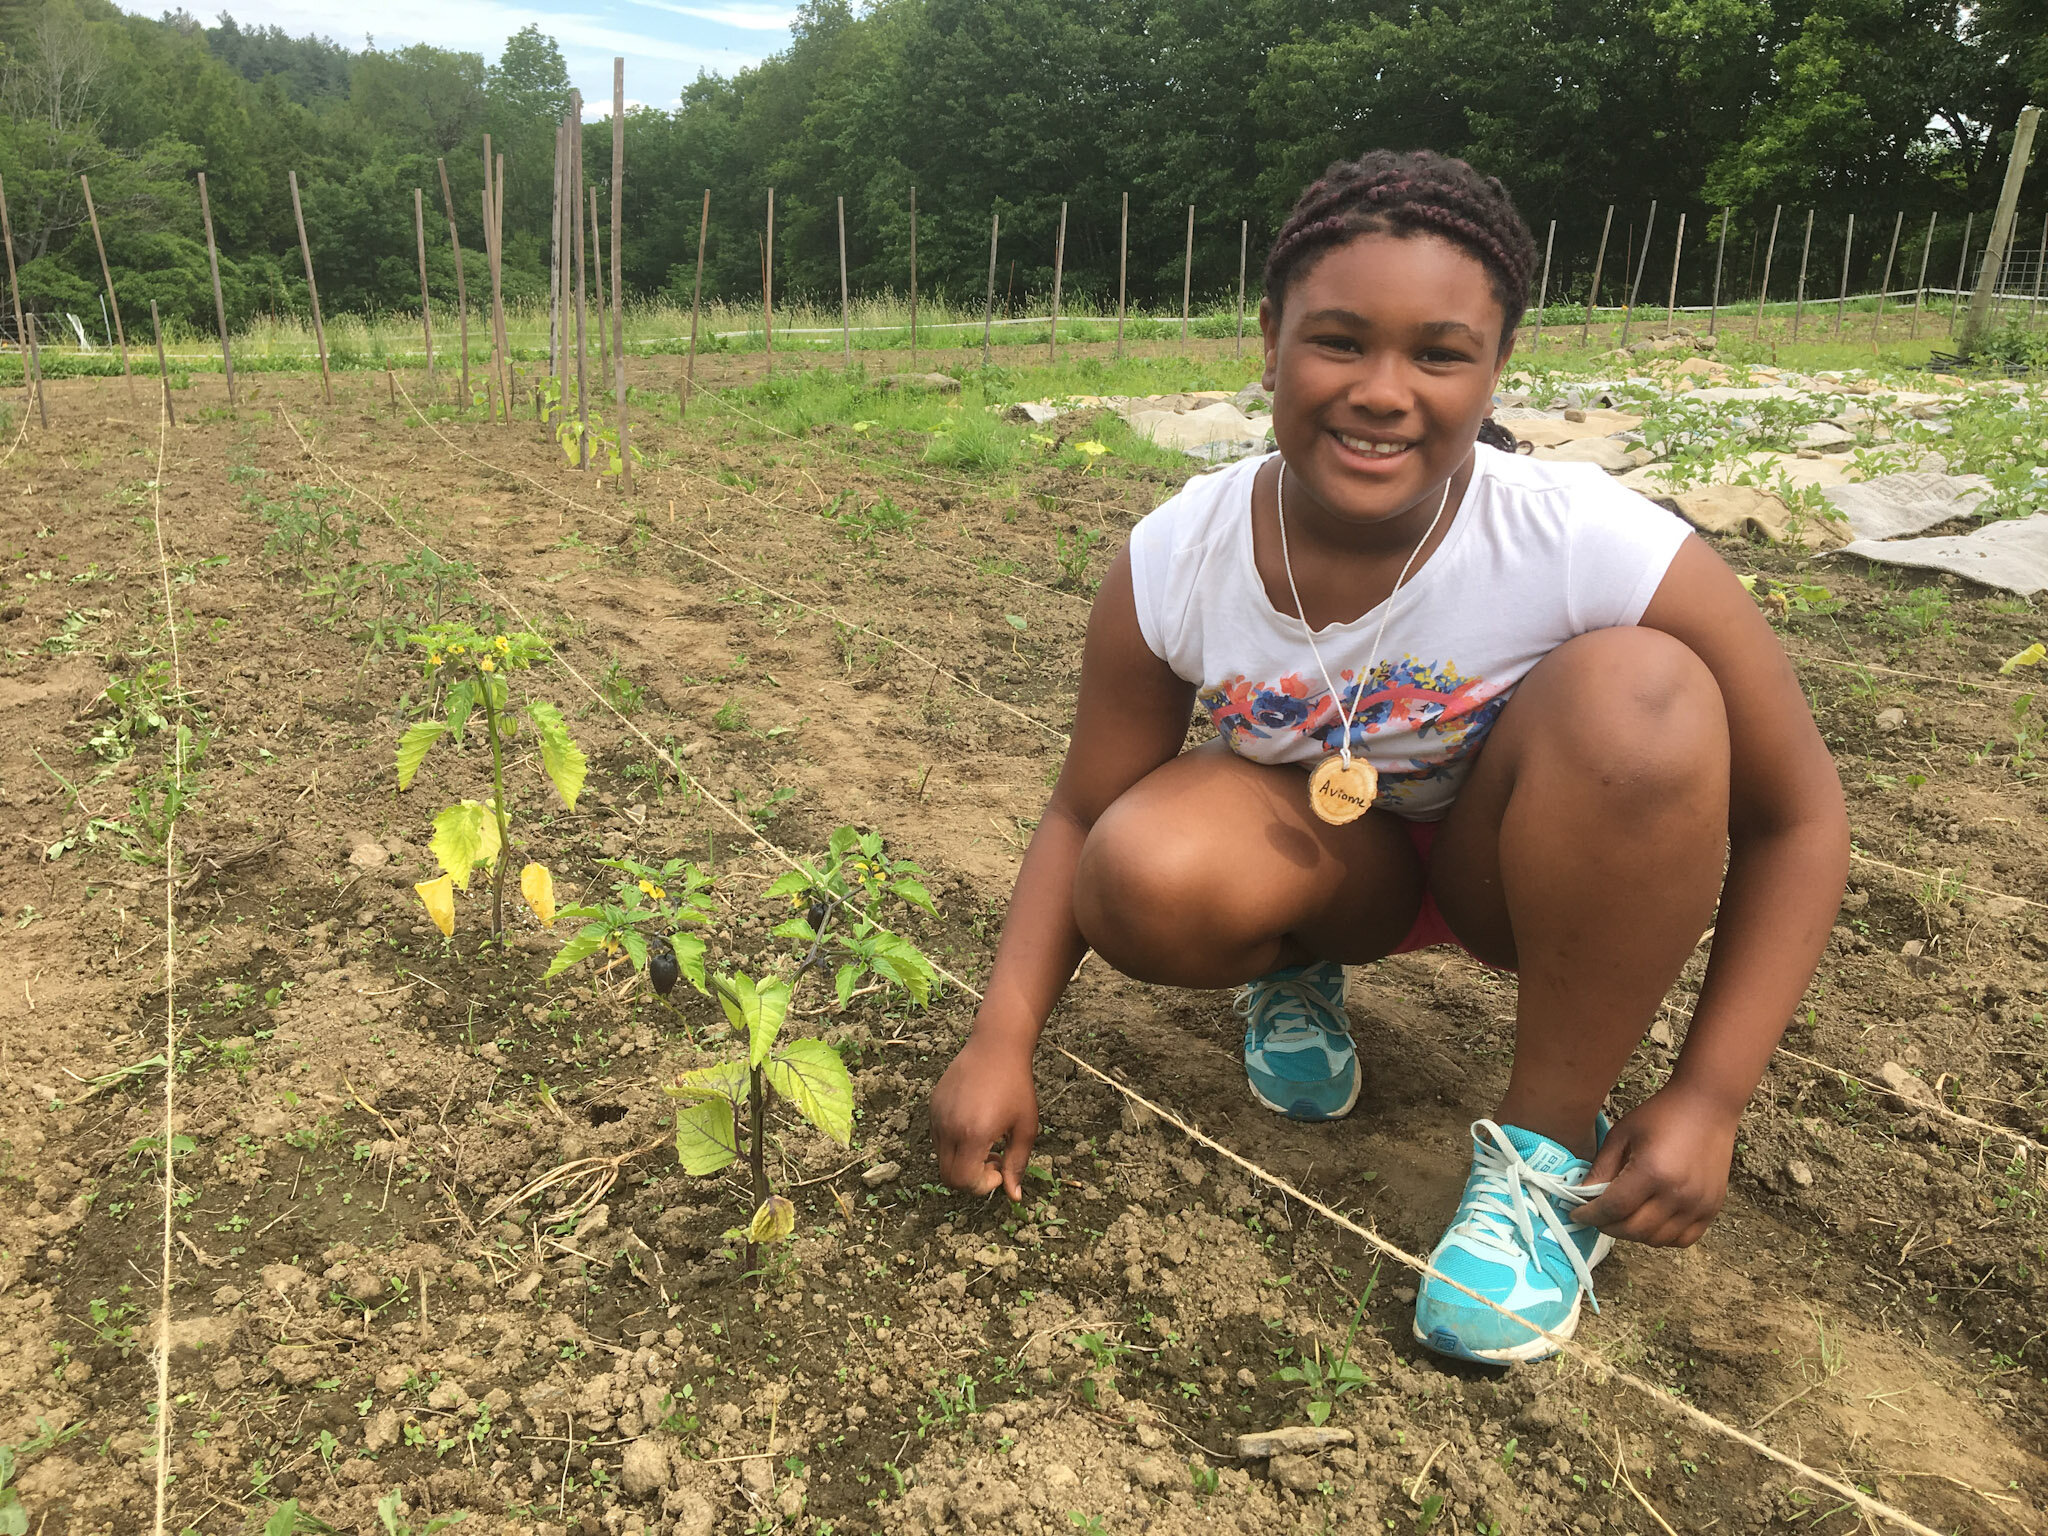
(284, 1520)
(706, 1136)
(412, 751)
(811, 1076)
(1319, 1413)
(635, 944)
(795, 928)
(757, 1010)
(461, 705)
(13, 1517)
(847, 979)
(587, 941)
(901, 961)
(791, 884)
(465, 835)
(915, 894)
(726, 1080)
(561, 757)
(843, 840)
(689, 949)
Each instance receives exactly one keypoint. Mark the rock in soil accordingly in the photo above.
(881, 1173)
(644, 1468)
(1296, 1439)
(1296, 1472)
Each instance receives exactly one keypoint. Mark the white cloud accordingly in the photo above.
(736, 13)
(483, 25)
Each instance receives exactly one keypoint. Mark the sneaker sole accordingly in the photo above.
(1303, 1110)
(1443, 1342)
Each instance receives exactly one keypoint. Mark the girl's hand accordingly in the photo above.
(1665, 1165)
(986, 1096)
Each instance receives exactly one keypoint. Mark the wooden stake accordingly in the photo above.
(1799, 302)
(498, 267)
(768, 284)
(1010, 292)
(1764, 288)
(988, 316)
(1187, 278)
(28, 374)
(2040, 271)
(604, 346)
(1671, 303)
(1599, 262)
(220, 308)
(1955, 305)
(1842, 298)
(1981, 302)
(1244, 238)
(1884, 287)
(35, 358)
(163, 371)
(618, 293)
(697, 292)
(461, 287)
(1720, 255)
(312, 288)
(845, 303)
(498, 372)
(419, 234)
(1628, 310)
(1920, 287)
(1543, 288)
(491, 267)
(556, 317)
(107, 275)
(1059, 267)
(913, 279)
(574, 210)
(1123, 252)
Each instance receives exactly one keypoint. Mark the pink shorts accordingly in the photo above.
(1429, 929)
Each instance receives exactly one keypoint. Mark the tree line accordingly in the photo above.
(1009, 107)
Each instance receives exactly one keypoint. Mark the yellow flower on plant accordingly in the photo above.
(650, 889)
(504, 646)
(433, 658)
(487, 665)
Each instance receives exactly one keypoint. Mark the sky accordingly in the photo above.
(665, 42)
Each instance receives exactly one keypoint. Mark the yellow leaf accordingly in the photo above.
(538, 887)
(773, 1222)
(2032, 656)
(438, 897)
(1092, 448)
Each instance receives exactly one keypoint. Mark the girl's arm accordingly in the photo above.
(1788, 856)
(1132, 717)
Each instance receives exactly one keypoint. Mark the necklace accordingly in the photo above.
(1342, 789)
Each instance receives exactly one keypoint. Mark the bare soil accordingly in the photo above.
(355, 1097)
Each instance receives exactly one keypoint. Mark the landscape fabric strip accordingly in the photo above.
(1580, 1353)
(734, 572)
(163, 1300)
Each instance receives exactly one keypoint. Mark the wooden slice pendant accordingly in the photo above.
(1341, 792)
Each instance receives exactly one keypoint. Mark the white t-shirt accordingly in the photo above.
(1538, 553)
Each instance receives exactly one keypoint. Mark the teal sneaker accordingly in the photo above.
(1298, 1053)
(1513, 1242)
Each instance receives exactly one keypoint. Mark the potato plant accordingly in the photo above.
(476, 671)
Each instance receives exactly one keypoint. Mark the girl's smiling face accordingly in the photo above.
(1381, 366)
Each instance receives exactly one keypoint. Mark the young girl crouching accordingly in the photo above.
(1461, 697)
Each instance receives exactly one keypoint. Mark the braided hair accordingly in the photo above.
(1383, 192)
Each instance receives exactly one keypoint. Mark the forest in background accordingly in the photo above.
(1867, 107)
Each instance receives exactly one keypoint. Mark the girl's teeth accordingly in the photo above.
(1381, 450)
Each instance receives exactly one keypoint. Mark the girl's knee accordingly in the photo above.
(1635, 704)
(1145, 891)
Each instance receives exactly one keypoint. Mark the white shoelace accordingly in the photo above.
(1257, 1005)
(1508, 1191)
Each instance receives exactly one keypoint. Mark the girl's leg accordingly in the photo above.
(1211, 871)
(1586, 851)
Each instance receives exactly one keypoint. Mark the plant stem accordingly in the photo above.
(497, 806)
(757, 1156)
